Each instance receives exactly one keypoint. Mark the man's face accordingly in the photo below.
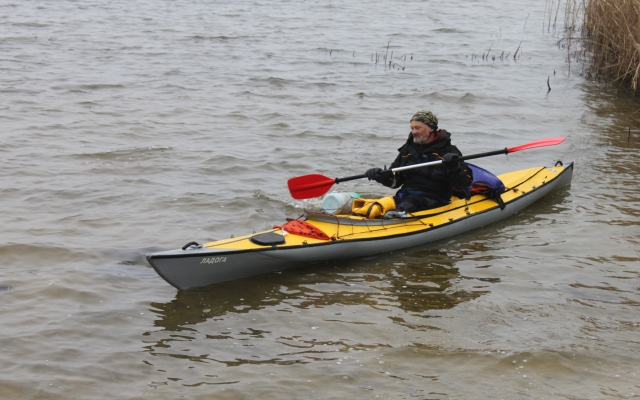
(421, 132)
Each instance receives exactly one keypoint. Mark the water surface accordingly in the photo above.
(129, 127)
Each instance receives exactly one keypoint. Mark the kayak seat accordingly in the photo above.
(267, 239)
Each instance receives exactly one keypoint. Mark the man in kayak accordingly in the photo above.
(427, 187)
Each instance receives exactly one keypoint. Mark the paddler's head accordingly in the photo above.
(424, 125)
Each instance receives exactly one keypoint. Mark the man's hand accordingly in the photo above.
(451, 162)
(371, 173)
(385, 177)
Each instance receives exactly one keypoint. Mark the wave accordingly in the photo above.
(134, 152)
(90, 86)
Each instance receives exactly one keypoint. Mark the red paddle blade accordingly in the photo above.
(537, 143)
(308, 186)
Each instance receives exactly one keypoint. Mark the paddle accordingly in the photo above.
(314, 185)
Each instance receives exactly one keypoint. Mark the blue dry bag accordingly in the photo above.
(484, 182)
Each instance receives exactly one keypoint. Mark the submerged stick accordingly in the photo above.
(387, 53)
(514, 54)
(394, 64)
(545, 13)
(556, 18)
(550, 13)
(549, 86)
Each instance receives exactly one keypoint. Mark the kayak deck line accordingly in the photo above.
(349, 235)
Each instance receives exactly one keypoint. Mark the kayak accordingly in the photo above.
(319, 237)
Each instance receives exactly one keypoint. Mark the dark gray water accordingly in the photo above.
(128, 127)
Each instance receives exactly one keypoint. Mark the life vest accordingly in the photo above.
(484, 182)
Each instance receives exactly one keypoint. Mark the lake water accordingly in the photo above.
(135, 126)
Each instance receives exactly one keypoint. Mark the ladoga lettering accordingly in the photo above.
(213, 260)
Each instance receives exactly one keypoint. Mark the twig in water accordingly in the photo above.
(514, 54)
(569, 56)
(385, 56)
(545, 13)
(550, 14)
(556, 18)
(549, 86)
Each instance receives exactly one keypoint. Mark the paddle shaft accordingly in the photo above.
(428, 164)
(469, 157)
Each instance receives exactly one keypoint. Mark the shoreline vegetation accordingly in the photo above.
(611, 33)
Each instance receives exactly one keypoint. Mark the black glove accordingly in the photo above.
(385, 176)
(451, 162)
(371, 173)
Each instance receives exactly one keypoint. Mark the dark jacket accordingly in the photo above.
(434, 182)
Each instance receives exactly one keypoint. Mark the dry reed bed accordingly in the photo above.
(612, 30)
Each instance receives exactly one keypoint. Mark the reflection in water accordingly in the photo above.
(413, 284)
(360, 299)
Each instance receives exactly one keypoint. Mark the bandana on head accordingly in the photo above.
(426, 117)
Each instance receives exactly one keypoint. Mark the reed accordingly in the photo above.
(612, 32)
(389, 64)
